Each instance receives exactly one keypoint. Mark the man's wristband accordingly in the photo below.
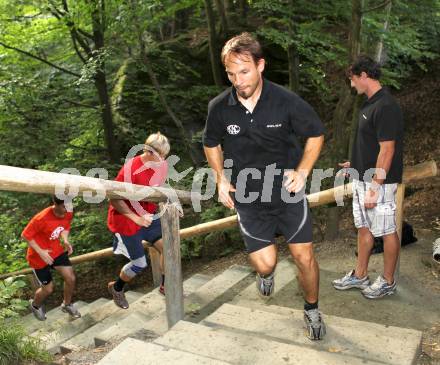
(374, 186)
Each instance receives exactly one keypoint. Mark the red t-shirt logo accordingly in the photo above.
(56, 233)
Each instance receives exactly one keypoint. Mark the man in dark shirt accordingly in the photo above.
(376, 167)
(256, 124)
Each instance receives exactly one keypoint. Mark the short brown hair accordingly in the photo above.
(243, 44)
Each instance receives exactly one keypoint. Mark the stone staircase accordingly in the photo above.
(226, 322)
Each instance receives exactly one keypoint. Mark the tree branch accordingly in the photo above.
(84, 33)
(19, 18)
(80, 104)
(75, 47)
(74, 31)
(22, 113)
(55, 11)
(384, 4)
(39, 59)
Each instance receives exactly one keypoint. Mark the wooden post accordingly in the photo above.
(173, 265)
(155, 266)
(400, 196)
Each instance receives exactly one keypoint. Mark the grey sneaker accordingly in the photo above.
(351, 281)
(314, 324)
(70, 308)
(379, 288)
(265, 285)
(118, 296)
(38, 313)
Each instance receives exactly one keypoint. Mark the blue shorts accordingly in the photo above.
(131, 246)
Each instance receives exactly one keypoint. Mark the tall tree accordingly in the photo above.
(298, 27)
(222, 14)
(90, 50)
(213, 43)
(193, 152)
(341, 116)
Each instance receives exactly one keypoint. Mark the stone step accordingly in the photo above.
(132, 351)
(101, 308)
(194, 303)
(284, 273)
(242, 348)
(362, 340)
(31, 324)
(135, 315)
(50, 326)
(86, 339)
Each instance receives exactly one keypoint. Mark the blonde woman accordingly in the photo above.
(132, 222)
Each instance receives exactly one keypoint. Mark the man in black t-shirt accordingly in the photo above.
(376, 167)
(253, 127)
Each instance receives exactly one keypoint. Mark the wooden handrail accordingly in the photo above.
(46, 182)
(411, 174)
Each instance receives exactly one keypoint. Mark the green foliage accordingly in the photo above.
(409, 40)
(17, 348)
(10, 303)
(303, 26)
(215, 244)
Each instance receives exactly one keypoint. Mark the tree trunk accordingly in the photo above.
(222, 14)
(244, 7)
(341, 119)
(293, 59)
(228, 5)
(182, 19)
(355, 31)
(213, 54)
(107, 116)
(292, 52)
(379, 57)
(101, 86)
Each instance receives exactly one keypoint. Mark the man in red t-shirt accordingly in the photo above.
(133, 222)
(45, 252)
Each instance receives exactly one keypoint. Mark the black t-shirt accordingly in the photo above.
(268, 135)
(380, 119)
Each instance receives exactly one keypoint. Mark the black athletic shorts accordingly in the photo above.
(44, 275)
(260, 223)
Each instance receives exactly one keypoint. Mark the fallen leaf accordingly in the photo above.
(334, 349)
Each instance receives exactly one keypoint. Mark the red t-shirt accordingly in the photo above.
(136, 172)
(45, 229)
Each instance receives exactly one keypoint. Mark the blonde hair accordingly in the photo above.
(159, 143)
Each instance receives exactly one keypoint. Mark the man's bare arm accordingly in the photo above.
(312, 149)
(384, 160)
(214, 155)
(296, 179)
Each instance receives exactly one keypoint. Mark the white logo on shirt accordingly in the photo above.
(233, 129)
(56, 233)
(274, 125)
(365, 117)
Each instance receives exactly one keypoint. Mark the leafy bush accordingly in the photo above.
(16, 348)
(10, 303)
